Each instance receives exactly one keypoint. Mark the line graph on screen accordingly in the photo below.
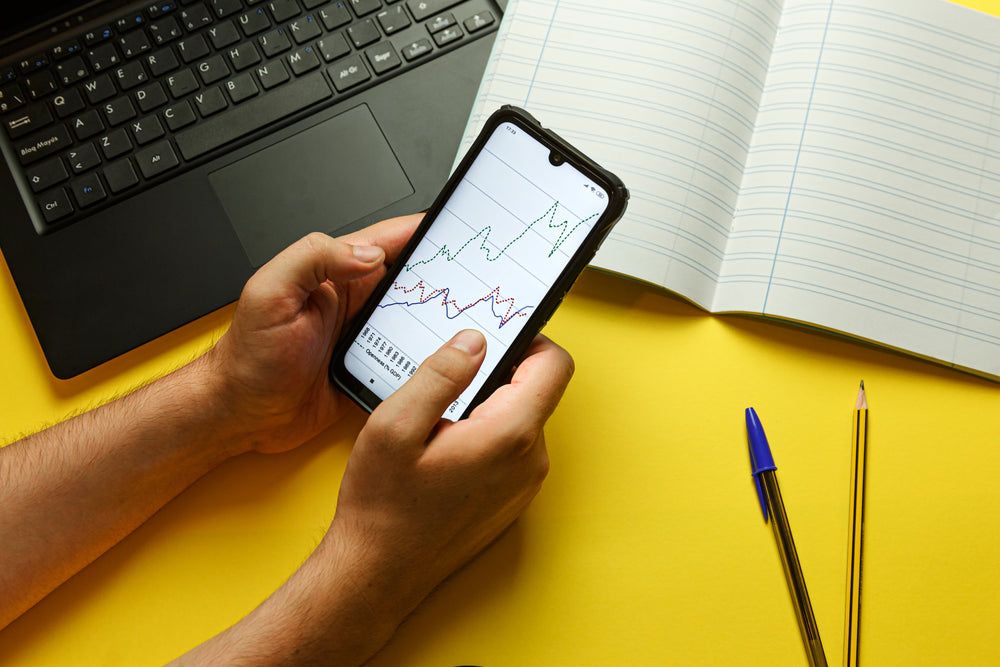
(502, 286)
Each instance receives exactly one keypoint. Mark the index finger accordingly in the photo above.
(390, 235)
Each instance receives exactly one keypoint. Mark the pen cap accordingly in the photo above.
(760, 451)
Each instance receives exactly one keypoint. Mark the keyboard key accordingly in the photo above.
(282, 10)
(195, 16)
(120, 175)
(182, 83)
(72, 70)
(165, 30)
(304, 29)
(28, 119)
(478, 22)
(193, 48)
(440, 22)
(414, 50)
(156, 159)
(448, 35)
(87, 124)
(151, 96)
(241, 87)
(66, 49)
(11, 97)
(393, 20)
(83, 158)
(134, 43)
(87, 190)
(274, 42)
(224, 8)
(252, 115)
(46, 174)
(272, 74)
(209, 102)
(98, 35)
(40, 84)
(130, 75)
(362, 7)
(179, 115)
(69, 102)
(43, 144)
(223, 35)
(348, 73)
(383, 57)
(146, 129)
(243, 56)
(161, 62)
(126, 23)
(333, 47)
(213, 69)
(254, 21)
(55, 205)
(115, 143)
(158, 9)
(102, 57)
(99, 89)
(363, 33)
(303, 60)
(119, 110)
(422, 9)
(33, 63)
(335, 15)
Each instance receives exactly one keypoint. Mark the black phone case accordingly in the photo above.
(618, 199)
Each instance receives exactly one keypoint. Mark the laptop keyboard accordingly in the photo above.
(112, 110)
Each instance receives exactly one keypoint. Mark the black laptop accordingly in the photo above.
(154, 155)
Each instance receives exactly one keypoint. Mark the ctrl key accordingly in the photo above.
(55, 205)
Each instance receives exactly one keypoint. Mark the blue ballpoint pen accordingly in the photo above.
(770, 502)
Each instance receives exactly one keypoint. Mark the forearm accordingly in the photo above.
(339, 608)
(69, 493)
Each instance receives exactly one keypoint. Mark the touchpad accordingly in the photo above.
(317, 180)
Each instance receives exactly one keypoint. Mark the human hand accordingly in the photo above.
(421, 496)
(272, 363)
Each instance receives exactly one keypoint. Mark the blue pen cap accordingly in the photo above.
(760, 451)
(760, 455)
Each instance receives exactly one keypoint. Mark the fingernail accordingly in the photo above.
(367, 253)
(469, 340)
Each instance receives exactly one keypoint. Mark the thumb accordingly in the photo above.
(411, 413)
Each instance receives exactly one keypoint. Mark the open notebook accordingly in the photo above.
(831, 162)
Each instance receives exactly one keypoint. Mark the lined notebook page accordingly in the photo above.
(663, 93)
(872, 191)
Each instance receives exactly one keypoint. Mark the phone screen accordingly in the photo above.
(501, 240)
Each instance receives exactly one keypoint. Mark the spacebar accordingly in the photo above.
(252, 115)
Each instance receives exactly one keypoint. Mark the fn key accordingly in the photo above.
(156, 159)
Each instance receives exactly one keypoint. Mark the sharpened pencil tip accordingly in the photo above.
(862, 402)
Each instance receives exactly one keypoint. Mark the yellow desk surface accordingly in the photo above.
(646, 545)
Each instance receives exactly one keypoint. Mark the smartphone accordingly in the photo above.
(519, 219)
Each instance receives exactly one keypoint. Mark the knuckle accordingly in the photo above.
(390, 428)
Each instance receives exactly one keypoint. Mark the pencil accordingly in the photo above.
(856, 530)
